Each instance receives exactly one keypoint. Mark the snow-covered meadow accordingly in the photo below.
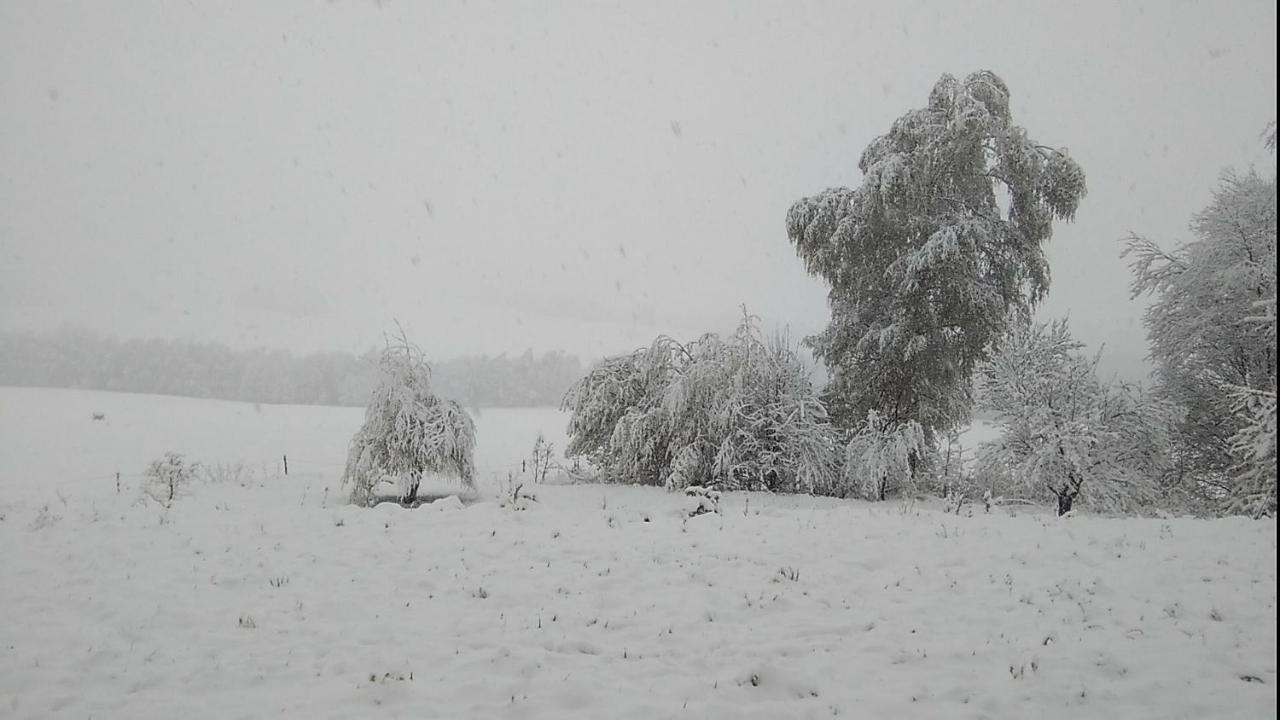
(260, 594)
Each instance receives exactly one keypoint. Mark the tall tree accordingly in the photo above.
(933, 255)
(1211, 342)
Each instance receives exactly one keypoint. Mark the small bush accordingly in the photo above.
(44, 518)
(701, 500)
(540, 459)
(168, 477)
(514, 495)
(228, 474)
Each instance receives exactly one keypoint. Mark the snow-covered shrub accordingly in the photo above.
(882, 456)
(44, 518)
(615, 414)
(228, 474)
(408, 430)
(168, 478)
(514, 495)
(738, 412)
(993, 476)
(701, 500)
(540, 459)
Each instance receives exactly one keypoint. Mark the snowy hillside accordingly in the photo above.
(260, 594)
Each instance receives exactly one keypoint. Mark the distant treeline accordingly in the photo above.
(76, 359)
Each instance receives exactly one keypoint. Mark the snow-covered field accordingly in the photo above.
(262, 595)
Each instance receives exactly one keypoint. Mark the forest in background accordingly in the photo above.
(82, 359)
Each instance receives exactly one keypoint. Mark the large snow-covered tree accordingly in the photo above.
(1066, 432)
(929, 258)
(408, 430)
(1213, 346)
(736, 412)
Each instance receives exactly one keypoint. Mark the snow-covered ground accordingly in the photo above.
(262, 595)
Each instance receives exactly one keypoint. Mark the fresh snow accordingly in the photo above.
(260, 594)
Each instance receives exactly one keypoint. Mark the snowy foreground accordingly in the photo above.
(261, 595)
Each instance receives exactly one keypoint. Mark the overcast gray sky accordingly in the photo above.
(573, 175)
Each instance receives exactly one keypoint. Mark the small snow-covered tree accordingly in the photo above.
(930, 258)
(739, 411)
(1067, 432)
(408, 430)
(882, 455)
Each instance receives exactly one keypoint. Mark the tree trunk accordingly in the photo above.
(411, 494)
(1068, 493)
(1064, 502)
(946, 471)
